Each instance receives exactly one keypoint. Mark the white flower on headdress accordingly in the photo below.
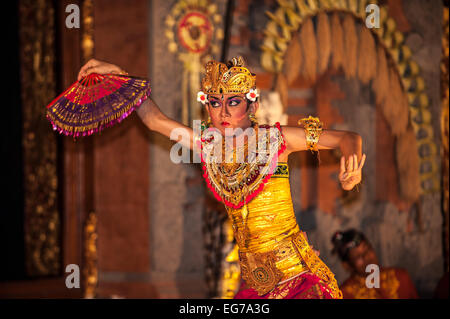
(202, 97)
(252, 95)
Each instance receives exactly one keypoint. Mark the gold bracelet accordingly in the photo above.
(122, 72)
(313, 129)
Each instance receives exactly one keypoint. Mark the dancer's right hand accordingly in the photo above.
(96, 66)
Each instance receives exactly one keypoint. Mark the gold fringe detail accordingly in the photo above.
(85, 128)
(293, 59)
(350, 47)
(309, 46)
(337, 42)
(367, 57)
(408, 165)
(323, 42)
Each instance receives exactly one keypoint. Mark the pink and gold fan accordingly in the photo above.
(95, 102)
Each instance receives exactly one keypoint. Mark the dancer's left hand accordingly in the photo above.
(351, 172)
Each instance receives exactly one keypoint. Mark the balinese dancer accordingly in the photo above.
(245, 166)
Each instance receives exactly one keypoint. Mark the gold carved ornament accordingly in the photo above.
(291, 24)
(42, 227)
(193, 31)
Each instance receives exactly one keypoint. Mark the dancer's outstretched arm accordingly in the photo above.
(149, 111)
(350, 144)
(156, 120)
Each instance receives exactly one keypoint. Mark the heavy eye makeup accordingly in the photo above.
(214, 103)
(234, 101)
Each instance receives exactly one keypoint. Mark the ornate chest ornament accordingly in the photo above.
(235, 181)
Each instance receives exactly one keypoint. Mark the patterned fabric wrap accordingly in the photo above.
(304, 286)
(266, 230)
(96, 102)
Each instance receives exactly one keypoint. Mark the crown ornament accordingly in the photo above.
(233, 77)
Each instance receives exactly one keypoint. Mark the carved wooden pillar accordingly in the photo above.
(57, 190)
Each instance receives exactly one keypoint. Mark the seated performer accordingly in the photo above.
(275, 258)
(356, 253)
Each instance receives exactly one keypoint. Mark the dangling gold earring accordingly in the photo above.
(252, 118)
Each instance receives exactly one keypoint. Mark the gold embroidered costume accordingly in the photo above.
(272, 249)
(255, 190)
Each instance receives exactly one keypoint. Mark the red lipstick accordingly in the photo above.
(224, 123)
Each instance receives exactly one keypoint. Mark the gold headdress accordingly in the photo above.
(232, 78)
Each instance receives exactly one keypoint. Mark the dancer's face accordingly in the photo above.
(230, 111)
(361, 256)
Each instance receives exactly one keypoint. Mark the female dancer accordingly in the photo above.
(275, 258)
